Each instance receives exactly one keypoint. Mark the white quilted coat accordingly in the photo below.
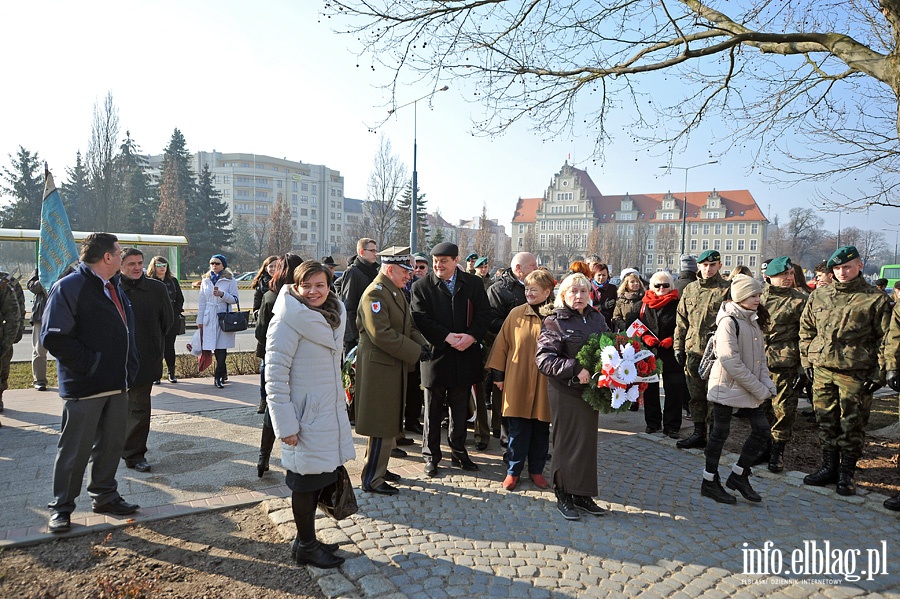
(740, 377)
(303, 387)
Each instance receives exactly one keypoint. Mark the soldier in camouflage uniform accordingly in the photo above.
(11, 287)
(891, 359)
(785, 306)
(694, 321)
(842, 332)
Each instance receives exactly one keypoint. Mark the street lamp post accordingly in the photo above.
(686, 169)
(414, 205)
(896, 241)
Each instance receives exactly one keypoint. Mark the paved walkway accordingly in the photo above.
(463, 535)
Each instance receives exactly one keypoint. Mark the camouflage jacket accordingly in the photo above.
(10, 315)
(695, 318)
(16, 288)
(785, 306)
(892, 341)
(843, 328)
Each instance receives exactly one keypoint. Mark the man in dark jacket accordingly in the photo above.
(451, 310)
(152, 320)
(87, 325)
(38, 352)
(6, 356)
(687, 274)
(9, 318)
(360, 272)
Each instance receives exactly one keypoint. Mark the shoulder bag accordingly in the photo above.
(232, 322)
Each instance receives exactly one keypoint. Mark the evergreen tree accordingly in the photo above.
(24, 182)
(138, 202)
(76, 196)
(242, 250)
(208, 222)
(176, 189)
(401, 235)
(281, 235)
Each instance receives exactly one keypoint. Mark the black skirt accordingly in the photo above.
(306, 483)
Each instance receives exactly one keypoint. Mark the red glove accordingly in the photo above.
(650, 340)
(666, 343)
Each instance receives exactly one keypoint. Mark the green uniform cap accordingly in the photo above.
(472, 256)
(776, 266)
(710, 256)
(420, 257)
(843, 255)
(481, 261)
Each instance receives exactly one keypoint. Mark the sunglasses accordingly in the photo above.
(421, 267)
(215, 263)
(161, 265)
(661, 285)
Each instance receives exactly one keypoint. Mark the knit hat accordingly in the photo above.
(743, 286)
(843, 255)
(221, 259)
(776, 266)
(688, 262)
(629, 271)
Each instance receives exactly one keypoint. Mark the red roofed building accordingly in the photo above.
(573, 220)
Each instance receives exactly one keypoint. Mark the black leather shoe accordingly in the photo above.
(481, 446)
(415, 428)
(59, 522)
(141, 466)
(40, 387)
(431, 469)
(329, 547)
(117, 507)
(404, 442)
(398, 453)
(391, 477)
(464, 463)
(173, 379)
(383, 489)
(893, 503)
(218, 383)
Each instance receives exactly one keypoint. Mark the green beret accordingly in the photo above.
(472, 256)
(481, 261)
(710, 256)
(420, 257)
(842, 256)
(778, 265)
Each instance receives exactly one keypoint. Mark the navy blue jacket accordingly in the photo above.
(82, 328)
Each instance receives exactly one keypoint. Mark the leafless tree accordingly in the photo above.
(484, 238)
(668, 238)
(386, 183)
(869, 243)
(826, 70)
(529, 240)
(101, 156)
(281, 234)
(804, 229)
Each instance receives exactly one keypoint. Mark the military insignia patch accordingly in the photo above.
(376, 307)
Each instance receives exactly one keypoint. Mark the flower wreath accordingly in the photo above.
(621, 366)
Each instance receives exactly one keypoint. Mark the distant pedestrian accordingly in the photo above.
(6, 356)
(88, 326)
(159, 269)
(360, 272)
(38, 351)
(9, 317)
(218, 292)
(260, 282)
(604, 294)
(687, 274)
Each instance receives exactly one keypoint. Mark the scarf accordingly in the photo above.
(330, 310)
(658, 301)
(215, 276)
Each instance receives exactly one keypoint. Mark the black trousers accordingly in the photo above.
(457, 401)
(137, 427)
(221, 367)
(169, 353)
(415, 397)
(667, 417)
(721, 426)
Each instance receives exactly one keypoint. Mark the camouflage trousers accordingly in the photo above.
(5, 360)
(697, 388)
(784, 404)
(842, 410)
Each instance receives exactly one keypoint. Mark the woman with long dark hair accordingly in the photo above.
(260, 283)
(159, 269)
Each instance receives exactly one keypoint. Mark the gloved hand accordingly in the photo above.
(809, 373)
(650, 340)
(871, 386)
(666, 343)
(681, 358)
(893, 380)
(799, 381)
(426, 354)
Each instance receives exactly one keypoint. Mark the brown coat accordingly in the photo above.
(524, 388)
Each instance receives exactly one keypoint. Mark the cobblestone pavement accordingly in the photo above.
(464, 536)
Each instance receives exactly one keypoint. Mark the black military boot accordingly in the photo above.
(828, 474)
(845, 484)
(713, 489)
(763, 456)
(776, 457)
(266, 442)
(315, 554)
(697, 438)
(741, 484)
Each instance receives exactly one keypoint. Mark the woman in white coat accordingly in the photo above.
(218, 291)
(739, 379)
(304, 343)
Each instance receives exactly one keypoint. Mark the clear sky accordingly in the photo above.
(272, 78)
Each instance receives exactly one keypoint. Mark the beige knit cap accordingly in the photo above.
(743, 286)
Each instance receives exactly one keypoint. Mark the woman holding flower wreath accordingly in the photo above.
(573, 470)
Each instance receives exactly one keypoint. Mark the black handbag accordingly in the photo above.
(337, 499)
(181, 325)
(232, 322)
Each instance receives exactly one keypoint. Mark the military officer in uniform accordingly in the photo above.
(842, 332)
(785, 305)
(695, 320)
(389, 347)
(12, 284)
(10, 316)
(891, 360)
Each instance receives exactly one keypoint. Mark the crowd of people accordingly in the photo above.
(447, 343)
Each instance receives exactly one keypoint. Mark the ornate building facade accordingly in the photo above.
(644, 231)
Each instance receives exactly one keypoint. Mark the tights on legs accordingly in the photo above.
(304, 507)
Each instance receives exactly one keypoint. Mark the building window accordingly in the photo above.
(752, 245)
(742, 229)
(693, 245)
(729, 229)
(729, 245)
(694, 229)
(630, 230)
(650, 244)
(754, 229)
(706, 229)
(543, 240)
(705, 245)
(727, 259)
(740, 245)
(660, 260)
(718, 229)
(315, 189)
(717, 244)
(712, 215)
(752, 261)
(521, 229)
